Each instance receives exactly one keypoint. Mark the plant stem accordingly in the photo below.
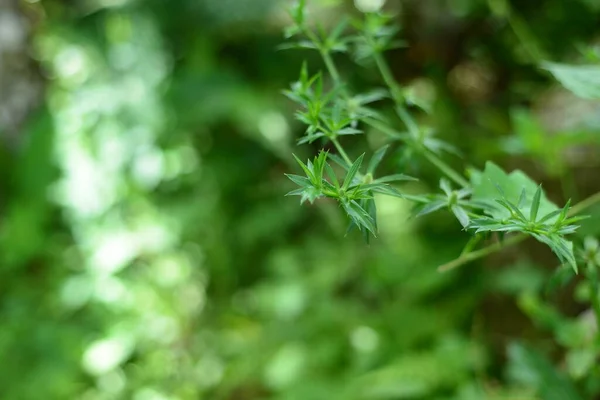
(388, 78)
(331, 68)
(584, 204)
(431, 157)
(576, 209)
(410, 123)
(474, 255)
(445, 168)
(341, 150)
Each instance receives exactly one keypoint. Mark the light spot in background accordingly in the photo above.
(111, 290)
(104, 355)
(192, 298)
(274, 127)
(182, 160)
(285, 366)
(289, 300)
(109, 117)
(209, 371)
(71, 65)
(76, 291)
(155, 236)
(393, 215)
(122, 56)
(112, 382)
(148, 168)
(369, 5)
(85, 188)
(161, 328)
(172, 269)
(364, 339)
(150, 394)
(113, 251)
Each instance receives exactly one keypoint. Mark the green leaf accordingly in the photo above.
(349, 131)
(305, 168)
(387, 190)
(336, 32)
(461, 215)
(360, 217)
(535, 204)
(513, 209)
(522, 199)
(429, 208)
(376, 159)
(445, 186)
(531, 368)
(299, 180)
(580, 362)
(352, 172)
(338, 160)
(332, 177)
(394, 178)
(485, 189)
(561, 247)
(582, 80)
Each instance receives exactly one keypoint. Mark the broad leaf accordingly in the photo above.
(582, 80)
(486, 188)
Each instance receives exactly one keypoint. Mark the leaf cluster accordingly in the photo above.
(354, 192)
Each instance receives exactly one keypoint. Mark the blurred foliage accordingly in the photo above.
(147, 250)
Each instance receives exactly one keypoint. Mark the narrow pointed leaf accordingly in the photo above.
(394, 178)
(535, 204)
(331, 174)
(429, 208)
(352, 172)
(461, 215)
(445, 186)
(376, 159)
(305, 168)
(522, 199)
(299, 180)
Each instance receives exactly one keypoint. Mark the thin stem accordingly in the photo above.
(445, 168)
(388, 78)
(431, 157)
(474, 255)
(576, 209)
(410, 123)
(331, 68)
(335, 75)
(526, 38)
(341, 150)
(584, 204)
(408, 120)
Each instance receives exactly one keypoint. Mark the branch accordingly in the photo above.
(464, 259)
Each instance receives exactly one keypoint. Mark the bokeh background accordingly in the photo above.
(147, 251)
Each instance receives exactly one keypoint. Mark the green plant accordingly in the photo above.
(493, 206)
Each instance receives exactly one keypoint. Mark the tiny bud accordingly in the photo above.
(368, 178)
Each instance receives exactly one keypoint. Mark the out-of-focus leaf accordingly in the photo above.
(531, 368)
(583, 80)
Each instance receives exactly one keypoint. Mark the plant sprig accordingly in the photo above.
(334, 113)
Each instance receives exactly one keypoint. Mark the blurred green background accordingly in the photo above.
(147, 251)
